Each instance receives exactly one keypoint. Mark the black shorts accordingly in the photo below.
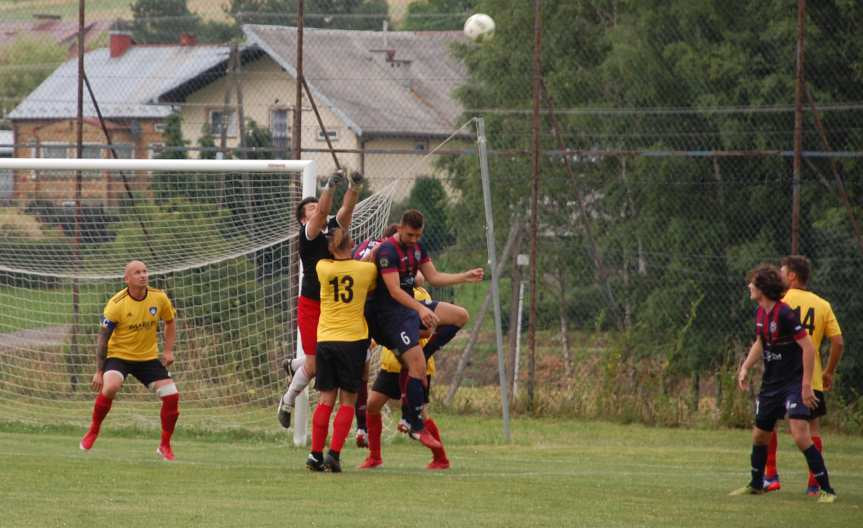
(340, 364)
(772, 406)
(387, 383)
(146, 372)
(820, 409)
(396, 327)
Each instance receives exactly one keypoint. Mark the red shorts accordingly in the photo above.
(308, 313)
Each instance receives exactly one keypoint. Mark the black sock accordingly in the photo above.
(816, 465)
(443, 335)
(759, 460)
(416, 398)
(319, 455)
(362, 399)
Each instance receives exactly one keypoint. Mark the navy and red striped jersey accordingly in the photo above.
(393, 257)
(779, 329)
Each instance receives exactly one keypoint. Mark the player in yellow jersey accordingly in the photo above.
(128, 345)
(342, 342)
(388, 386)
(816, 314)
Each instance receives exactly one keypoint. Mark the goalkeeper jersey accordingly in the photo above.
(389, 361)
(345, 285)
(135, 323)
(816, 315)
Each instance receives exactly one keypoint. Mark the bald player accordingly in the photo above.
(128, 345)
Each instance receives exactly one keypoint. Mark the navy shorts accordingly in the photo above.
(340, 365)
(387, 383)
(146, 372)
(396, 327)
(772, 406)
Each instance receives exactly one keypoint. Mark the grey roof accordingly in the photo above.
(125, 87)
(410, 95)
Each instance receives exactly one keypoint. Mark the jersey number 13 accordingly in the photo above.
(347, 283)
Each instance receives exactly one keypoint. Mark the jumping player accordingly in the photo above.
(395, 317)
(786, 386)
(387, 387)
(128, 345)
(312, 217)
(342, 341)
(817, 317)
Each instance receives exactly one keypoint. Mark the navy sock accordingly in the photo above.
(759, 460)
(416, 398)
(817, 467)
(443, 335)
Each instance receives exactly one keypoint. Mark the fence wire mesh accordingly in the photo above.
(667, 137)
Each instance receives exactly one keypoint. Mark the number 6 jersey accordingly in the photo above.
(345, 284)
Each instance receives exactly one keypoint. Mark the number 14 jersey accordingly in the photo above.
(345, 285)
(816, 314)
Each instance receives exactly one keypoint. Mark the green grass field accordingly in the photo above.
(554, 473)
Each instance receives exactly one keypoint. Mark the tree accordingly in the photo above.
(162, 21)
(438, 15)
(24, 65)
(335, 14)
(429, 197)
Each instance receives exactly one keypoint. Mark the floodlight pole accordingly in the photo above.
(492, 260)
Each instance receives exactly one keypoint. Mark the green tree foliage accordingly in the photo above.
(24, 65)
(335, 14)
(162, 21)
(429, 197)
(676, 233)
(437, 15)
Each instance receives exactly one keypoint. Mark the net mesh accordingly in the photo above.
(222, 245)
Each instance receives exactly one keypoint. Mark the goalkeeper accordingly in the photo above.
(342, 341)
(312, 216)
(127, 345)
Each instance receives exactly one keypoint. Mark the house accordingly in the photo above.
(51, 28)
(376, 91)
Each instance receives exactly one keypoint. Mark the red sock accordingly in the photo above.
(375, 425)
(341, 427)
(439, 453)
(100, 410)
(818, 445)
(320, 427)
(770, 468)
(169, 414)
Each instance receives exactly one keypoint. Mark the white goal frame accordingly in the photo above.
(309, 188)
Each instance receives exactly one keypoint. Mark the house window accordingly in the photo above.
(421, 146)
(279, 123)
(159, 127)
(55, 151)
(333, 134)
(217, 118)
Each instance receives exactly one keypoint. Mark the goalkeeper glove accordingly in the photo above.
(334, 179)
(356, 179)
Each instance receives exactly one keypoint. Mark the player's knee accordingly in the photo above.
(112, 382)
(462, 316)
(167, 389)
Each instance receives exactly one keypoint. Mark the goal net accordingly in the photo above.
(220, 237)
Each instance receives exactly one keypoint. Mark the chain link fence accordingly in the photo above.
(668, 153)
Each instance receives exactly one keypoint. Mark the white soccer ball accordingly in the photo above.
(479, 27)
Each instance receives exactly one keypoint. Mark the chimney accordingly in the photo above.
(188, 39)
(120, 42)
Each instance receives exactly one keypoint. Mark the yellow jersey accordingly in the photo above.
(389, 361)
(816, 315)
(135, 323)
(345, 284)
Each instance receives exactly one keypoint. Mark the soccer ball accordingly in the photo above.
(478, 27)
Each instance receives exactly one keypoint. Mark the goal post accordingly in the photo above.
(220, 236)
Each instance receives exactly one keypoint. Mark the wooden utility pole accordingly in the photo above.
(798, 128)
(534, 198)
(296, 137)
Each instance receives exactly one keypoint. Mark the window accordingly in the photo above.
(154, 150)
(421, 146)
(279, 123)
(216, 120)
(59, 150)
(159, 127)
(333, 134)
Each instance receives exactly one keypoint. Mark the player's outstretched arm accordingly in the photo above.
(325, 203)
(169, 339)
(754, 354)
(440, 279)
(346, 211)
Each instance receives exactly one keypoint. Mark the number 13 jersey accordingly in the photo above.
(345, 285)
